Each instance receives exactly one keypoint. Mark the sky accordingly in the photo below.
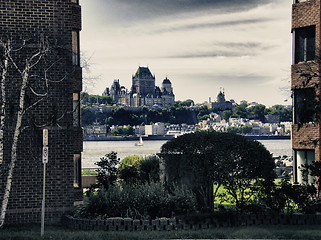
(202, 46)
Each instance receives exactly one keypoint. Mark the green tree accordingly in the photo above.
(202, 113)
(107, 172)
(136, 169)
(149, 169)
(284, 113)
(240, 111)
(186, 103)
(258, 111)
(202, 159)
(227, 114)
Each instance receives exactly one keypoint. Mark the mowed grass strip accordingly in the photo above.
(253, 232)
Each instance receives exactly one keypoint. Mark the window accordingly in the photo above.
(304, 44)
(304, 105)
(301, 158)
(76, 110)
(75, 48)
(77, 170)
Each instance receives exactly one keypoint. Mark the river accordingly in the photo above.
(94, 150)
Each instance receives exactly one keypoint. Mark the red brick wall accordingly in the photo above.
(29, 20)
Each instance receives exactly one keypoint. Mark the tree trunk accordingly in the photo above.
(3, 106)
(14, 144)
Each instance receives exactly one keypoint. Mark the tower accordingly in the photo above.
(46, 33)
(305, 85)
(143, 81)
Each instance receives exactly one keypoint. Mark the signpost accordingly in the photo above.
(45, 151)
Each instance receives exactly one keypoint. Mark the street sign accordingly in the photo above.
(45, 137)
(45, 151)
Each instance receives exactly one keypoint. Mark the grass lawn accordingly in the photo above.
(257, 232)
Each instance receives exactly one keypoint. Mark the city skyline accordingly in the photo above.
(201, 46)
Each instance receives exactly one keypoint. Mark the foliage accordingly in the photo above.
(125, 131)
(141, 201)
(242, 130)
(87, 172)
(203, 113)
(242, 165)
(149, 169)
(227, 114)
(135, 169)
(240, 111)
(186, 103)
(285, 114)
(123, 116)
(107, 172)
(87, 99)
(258, 111)
(313, 169)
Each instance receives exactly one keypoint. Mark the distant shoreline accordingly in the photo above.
(169, 137)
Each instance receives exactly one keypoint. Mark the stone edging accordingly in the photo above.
(168, 224)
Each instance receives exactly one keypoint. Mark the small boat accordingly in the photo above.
(140, 143)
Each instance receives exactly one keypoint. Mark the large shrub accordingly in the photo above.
(141, 201)
(242, 165)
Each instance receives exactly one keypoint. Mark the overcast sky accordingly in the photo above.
(243, 46)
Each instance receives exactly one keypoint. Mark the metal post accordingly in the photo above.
(43, 201)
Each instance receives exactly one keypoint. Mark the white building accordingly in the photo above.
(155, 129)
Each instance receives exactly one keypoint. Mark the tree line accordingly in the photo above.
(181, 112)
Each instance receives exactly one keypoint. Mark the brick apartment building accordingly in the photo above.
(305, 84)
(51, 101)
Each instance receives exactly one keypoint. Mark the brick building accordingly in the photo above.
(51, 101)
(305, 84)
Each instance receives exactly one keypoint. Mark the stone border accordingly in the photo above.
(169, 224)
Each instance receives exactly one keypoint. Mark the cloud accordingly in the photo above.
(208, 54)
(225, 49)
(195, 26)
(140, 10)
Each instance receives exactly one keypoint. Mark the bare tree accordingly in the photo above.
(88, 78)
(25, 72)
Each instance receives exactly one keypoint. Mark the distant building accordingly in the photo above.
(272, 118)
(143, 92)
(155, 129)
(221, 103)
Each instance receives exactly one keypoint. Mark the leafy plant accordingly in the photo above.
(107, 172)
(141, 201)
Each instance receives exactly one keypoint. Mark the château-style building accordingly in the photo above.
(50, 100)
(143, 92)
(305, 85)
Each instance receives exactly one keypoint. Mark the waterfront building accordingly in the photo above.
(50, 99)
(155, 129)
(305, 84)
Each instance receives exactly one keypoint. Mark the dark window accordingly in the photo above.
(304, 44)
(75, 48)
(304, 105)
(77, 170)
(76, 110)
